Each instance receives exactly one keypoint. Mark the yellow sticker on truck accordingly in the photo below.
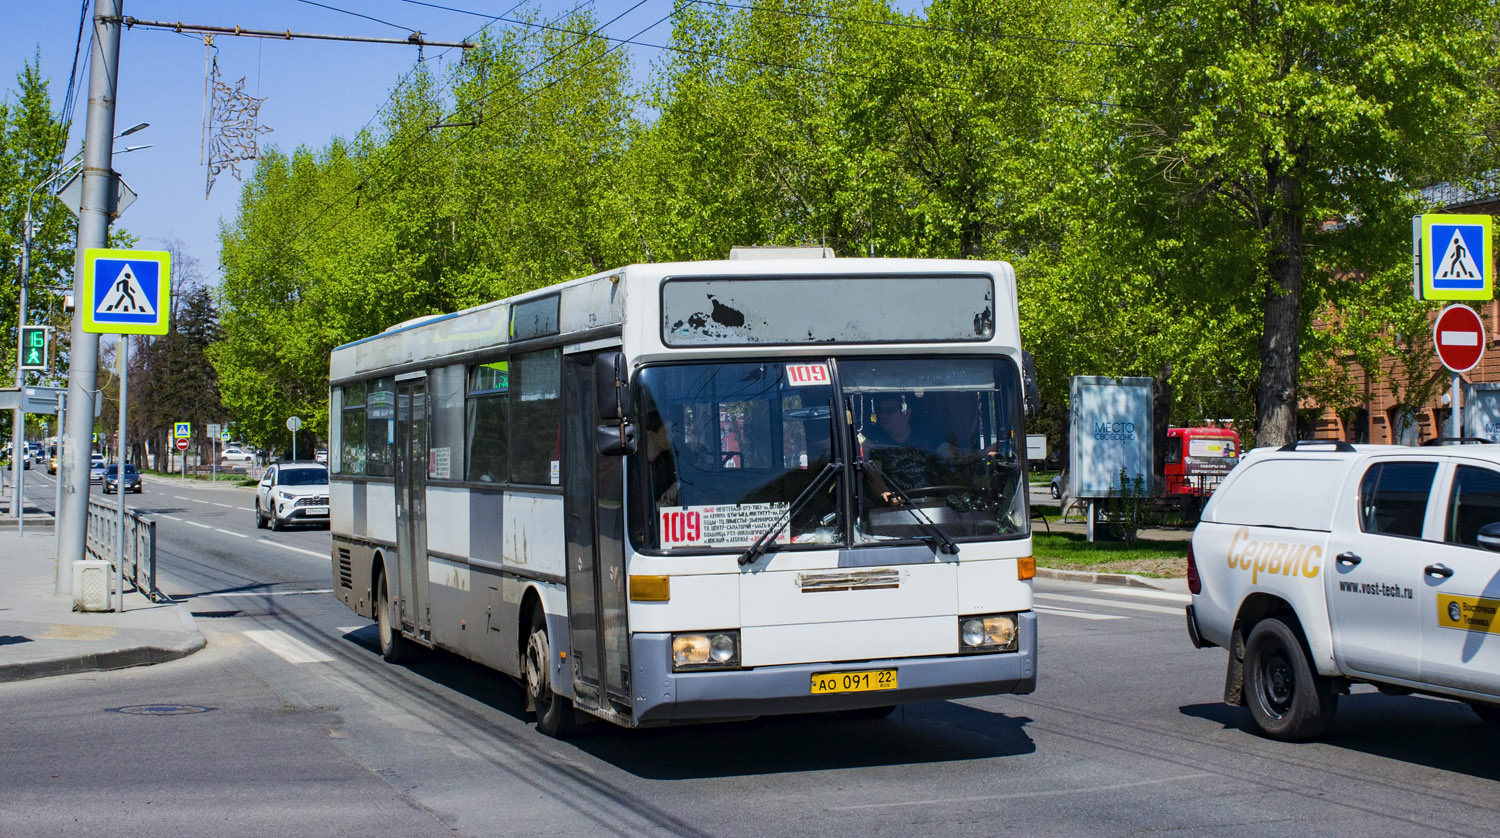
(1275, 558)
(1468, 613)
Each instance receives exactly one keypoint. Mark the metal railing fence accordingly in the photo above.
(103, 537)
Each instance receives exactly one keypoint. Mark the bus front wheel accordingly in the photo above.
(554, 713)
(393, 646)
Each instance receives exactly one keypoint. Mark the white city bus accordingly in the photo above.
(697, 491)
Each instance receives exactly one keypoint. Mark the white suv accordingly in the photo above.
(292, 492)
(1318, 565)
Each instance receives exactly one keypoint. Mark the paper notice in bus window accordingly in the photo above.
(554, 472)
(802, 375)
(440, 463)
(719, 526)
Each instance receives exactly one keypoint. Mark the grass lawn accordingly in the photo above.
(1146, 557)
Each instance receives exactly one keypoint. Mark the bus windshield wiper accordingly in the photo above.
(945, 544)
(768, 537)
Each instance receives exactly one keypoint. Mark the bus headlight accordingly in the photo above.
(987, 633)
(705, 650)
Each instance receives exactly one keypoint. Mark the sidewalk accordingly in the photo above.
(41, 634)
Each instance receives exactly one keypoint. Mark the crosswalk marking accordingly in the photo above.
(1143, 593)
(1131, 606)
(1082, 615)
(287, 647)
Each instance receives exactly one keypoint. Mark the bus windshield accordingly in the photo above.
(726, 450)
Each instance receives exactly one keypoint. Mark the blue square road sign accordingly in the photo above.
(126, 292)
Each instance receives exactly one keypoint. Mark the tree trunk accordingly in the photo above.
(1276, 392)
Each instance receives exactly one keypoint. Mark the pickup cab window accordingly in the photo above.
(1393, 498)
(1473, 502)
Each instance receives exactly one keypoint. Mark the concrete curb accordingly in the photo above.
(1129, 580)
(101, 661)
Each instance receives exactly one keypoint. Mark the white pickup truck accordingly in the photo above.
(1320, 564)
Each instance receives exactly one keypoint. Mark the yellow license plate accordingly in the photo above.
(853, 682)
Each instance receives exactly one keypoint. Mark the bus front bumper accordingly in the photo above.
(662, 696)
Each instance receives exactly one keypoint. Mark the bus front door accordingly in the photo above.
(593, 509)
(411, 503)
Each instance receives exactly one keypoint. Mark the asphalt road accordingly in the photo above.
(304, 730)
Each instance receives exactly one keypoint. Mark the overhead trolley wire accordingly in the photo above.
(458, 111)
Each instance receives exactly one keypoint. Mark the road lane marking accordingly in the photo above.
(352, 629)
(1086, 790)
(225, 505)
(231, 532)
(1166, 596)
(265, 593)
(171, 518)
(1082, 615)
(287, 647)
(196, 524)
(1133, 606)
(312, 553)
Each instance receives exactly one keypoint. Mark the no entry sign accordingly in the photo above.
(182, 444)
(1458, 335)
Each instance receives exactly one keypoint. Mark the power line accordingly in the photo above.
(69, 99)
(919, 26)
(357, 14)
(480, 100)
(633, 40)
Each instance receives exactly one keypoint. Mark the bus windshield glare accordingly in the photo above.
(726, 449)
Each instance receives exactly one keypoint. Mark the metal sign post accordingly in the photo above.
(120, 476)
(294, 424)
(1458, 336)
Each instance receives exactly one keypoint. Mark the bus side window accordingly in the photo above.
(351, 458)
(487, 415)
(1174, 449)
(536, 406)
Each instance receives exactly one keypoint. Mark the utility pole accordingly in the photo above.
(93, 231)
(18, 416)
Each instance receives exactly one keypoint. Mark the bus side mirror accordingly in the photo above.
(614, 440)
(1029, 388)
(612, 386)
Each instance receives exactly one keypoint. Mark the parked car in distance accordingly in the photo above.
(112, 478)
(321, 455)
(236, 456)
(96, 469)
(292, 493)
(52, 460)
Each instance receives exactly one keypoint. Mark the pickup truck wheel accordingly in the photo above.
(1490, 713)
(1288, 699)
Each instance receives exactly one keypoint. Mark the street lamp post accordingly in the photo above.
(18, 416)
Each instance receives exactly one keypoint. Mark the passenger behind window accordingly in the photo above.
(661, 463)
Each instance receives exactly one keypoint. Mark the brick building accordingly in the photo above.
(1381, 419)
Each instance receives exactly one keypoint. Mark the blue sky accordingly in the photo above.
(315, 90)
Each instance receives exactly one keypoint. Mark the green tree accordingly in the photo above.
(1275, 149)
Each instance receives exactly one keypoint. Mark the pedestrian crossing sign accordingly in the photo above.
(126, 292)
(1455, 255)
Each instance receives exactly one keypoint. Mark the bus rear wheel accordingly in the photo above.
(393, 646)
(554, 713)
